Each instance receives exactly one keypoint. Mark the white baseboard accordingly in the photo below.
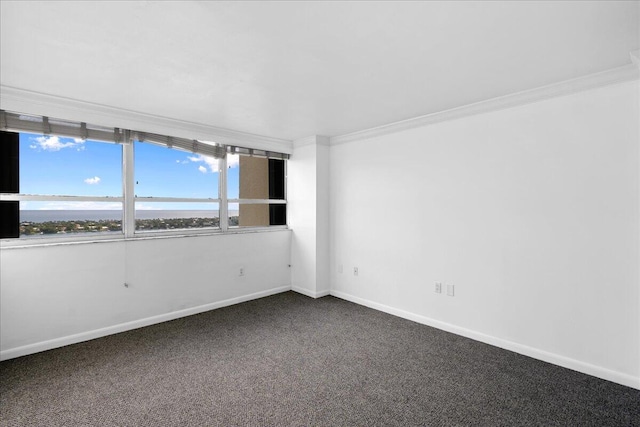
(565, 362)
(122, 327)
(309, 293)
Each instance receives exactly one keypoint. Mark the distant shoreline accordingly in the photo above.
(32, 228)
(113, 215)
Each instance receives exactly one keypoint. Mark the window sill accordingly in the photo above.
(149, 235)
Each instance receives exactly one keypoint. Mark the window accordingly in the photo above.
(256, 191)
(175, 189)
(82, 180)
(69, 186)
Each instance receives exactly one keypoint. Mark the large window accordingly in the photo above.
(82, 180)
(69, 186)
(256, 191)
(175, 189)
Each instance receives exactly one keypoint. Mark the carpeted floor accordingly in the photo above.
(288, 360)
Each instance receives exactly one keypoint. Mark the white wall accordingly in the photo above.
(308, 206)
(301, 208)
(531, 212)
(57, 295)
(323, 283)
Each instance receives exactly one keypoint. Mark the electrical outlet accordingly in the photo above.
(241, 272)
(438, 288)
(450, 290)
(355, 271)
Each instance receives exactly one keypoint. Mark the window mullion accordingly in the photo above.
(128, 188)
(222, 191)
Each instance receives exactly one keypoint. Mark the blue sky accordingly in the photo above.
(52, 165)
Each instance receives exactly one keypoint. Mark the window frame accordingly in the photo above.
(128, 199)
(130, 177)
(72, 237)
(247, 201)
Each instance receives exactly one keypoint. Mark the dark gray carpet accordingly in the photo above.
(288, 360)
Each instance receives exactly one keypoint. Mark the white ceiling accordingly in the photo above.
(295, 69)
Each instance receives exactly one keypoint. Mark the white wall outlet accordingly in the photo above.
(355, 271)
(438, 287)
(241, 271)
(450, 290)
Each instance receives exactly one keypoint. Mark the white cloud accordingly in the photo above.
(94, 180)
(53, 143)
(233, 161)
(211, 163)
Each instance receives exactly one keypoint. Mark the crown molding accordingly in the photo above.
(311, 140)
(323, 140)
(30, 102)
(622, 74)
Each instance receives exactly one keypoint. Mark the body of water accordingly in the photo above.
(86, 215)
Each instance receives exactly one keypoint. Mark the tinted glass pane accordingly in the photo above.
(10, 223)
(277, 214)
(276, 179)
(9, 162)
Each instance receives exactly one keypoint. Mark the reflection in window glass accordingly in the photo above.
(167, 172)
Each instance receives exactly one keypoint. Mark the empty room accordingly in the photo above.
(320, 213)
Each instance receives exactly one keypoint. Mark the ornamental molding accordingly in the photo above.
(613, 76)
